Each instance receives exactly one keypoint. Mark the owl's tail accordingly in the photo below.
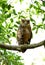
(23, 50)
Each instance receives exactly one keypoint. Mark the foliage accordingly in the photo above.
(10, 18)
(6, 27)
(9, 58)
(37, 10)
(9, 22)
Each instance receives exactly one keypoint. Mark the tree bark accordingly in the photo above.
(20, 47)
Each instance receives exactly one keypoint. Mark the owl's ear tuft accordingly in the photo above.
(22, 20)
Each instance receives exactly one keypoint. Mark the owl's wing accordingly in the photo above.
(19, 36)
(31, 35)
(29, 40)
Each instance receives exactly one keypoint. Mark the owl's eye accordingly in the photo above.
(23, 20)
(28, 21)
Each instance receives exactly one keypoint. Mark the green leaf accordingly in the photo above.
(34, 24)
(15, 29)
(31, 6)
(32, 19)
(14, 12)
(16, 26)
(19, 12)
(9, 58)
(8, 15)
(39, 25)
(18, 22)
(8, 35)
(44, 18)
(43, 3)
(11, 19)
(21, 16)
(13, 34)
(21, 1)
(34, 28)
(3, 5)
(9, 6)
(44, 15)
(44, 26)
(38, 4)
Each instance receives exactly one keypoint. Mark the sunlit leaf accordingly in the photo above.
(20, 0)
(21, 16)
(34, 28)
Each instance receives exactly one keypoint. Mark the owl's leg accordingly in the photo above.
(20, 41)
(23, 50)
(28, 41)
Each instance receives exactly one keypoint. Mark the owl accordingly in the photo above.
(24, 33)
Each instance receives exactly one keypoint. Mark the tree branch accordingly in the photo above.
(20, 47)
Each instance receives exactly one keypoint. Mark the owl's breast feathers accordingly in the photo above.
(24, 34)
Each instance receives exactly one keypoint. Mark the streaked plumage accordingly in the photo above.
(24, 33)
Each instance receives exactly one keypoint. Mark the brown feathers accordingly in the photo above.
(24, 33)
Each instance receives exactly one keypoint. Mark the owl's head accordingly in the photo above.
(25, 22)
